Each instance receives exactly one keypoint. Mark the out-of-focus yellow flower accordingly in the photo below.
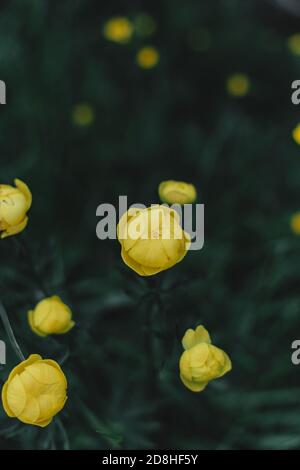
(35, 391)
(144, 24)
(293, 44)
(118, 29)
(147, 57)
(14, 204)
(83, 114)
(296, 134)
(238, 85)
(51, 316)
(295, 223)
(201, 362)
(177, 192)
(199, 39)
(152, 239)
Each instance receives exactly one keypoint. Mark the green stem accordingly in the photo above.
(10, 333)
(63, 433)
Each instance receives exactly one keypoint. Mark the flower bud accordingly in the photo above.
(35, 391)
(118, 29)
(201, 362)
(51, 316)
(177, 192)
(14, 204)
(152, 239)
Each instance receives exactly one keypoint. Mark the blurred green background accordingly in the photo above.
(86, 122)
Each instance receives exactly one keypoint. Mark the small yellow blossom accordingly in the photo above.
(35, 391)
(293, 44)
(51, 316)
(83, 114)
(144, 24)
(201, 362)
(295, 223)
(177, 192)
(14, 204)
(152, 239)
(296, 134)
(147, 57)
(238, 85)
(119, 29)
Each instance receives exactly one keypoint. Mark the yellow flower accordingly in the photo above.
(50, 316)
(83, 114)
(293, 44)
(296, 134)
(118, 29)
(147, 57)
(295, 223)
(152, 239)
(177, 192)
(14, 204)
(238, 85)
(201, 362)
(144, 25)
(35, 391)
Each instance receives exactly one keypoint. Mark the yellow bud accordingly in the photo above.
(296, 134)
(50, 316)
(83, 114)
(177, 192)
(238, 85)
(293, 44)
(14, 204)
(295, 223)
(35, 391)
(201, 362)
(152, 239)
(147, 57)
(119, 29)
(193, 337)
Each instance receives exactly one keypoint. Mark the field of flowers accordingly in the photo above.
(139, 342)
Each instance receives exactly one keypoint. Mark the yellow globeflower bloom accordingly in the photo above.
(201, 362)
(293, 43)
(118, 29)
(238, 85)
(147, 57)
(296, 134)
(295, 223)
(14, 204)
(51, 316)
(177, 192)
(83, 114)
(152, 239)
(35, 391)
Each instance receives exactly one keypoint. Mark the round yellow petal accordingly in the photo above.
(152, 240)
(35, 391)
(177, 192)
(14, 204)
(147, 57)
(201, 361)
(50, 316)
